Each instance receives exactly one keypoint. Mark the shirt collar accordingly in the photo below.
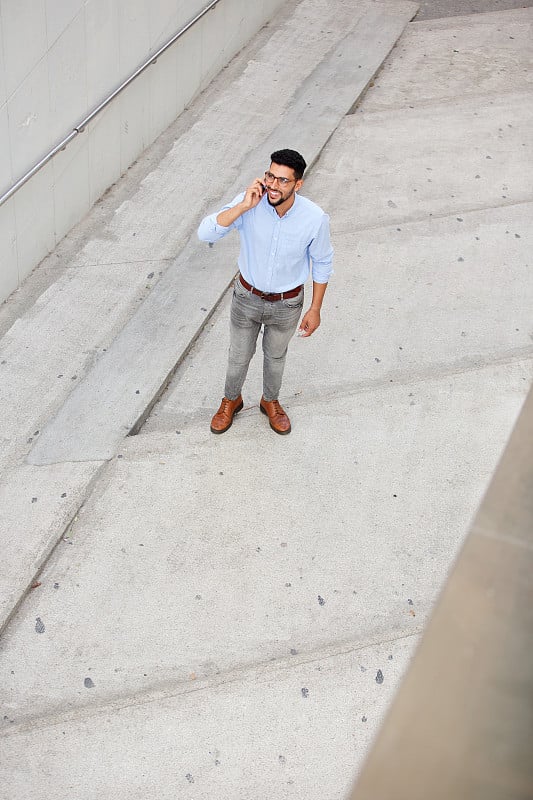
(272, 210)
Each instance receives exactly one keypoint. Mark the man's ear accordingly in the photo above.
(298, 185)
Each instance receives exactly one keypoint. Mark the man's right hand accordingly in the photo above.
(253, 194)
(251, 198)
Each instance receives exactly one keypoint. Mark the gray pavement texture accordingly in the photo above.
(436, 9)
(230, 616)
(94, 418)
(135, 287)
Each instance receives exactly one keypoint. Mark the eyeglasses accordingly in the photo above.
(270, 178)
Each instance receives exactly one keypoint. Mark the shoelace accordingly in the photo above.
(278, 411)
(225, 406)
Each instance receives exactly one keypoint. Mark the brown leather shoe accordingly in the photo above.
(279, 420)
(224, 417)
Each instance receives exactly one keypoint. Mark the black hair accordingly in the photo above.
(292, 159)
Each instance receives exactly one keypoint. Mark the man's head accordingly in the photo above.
(291, 159)
(284, 177)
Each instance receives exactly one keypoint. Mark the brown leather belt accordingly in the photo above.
(271, 297)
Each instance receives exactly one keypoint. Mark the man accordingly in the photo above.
(282, 234)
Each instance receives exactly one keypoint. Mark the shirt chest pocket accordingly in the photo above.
(293, 244)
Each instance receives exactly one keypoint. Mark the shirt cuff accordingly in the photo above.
(321, 273)
(210, 231)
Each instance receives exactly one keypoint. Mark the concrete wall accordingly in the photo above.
(466, 702)
(58, 60)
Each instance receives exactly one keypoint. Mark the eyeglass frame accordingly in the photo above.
(270, 178)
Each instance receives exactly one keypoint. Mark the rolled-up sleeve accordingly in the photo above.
(210, 231)
(321, 253)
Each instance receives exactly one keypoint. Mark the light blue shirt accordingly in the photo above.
(278, 252)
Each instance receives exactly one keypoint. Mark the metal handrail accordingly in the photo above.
(80, 127)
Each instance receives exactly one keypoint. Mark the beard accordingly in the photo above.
(281, 199)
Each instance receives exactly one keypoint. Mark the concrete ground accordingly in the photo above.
(436, 9)
(230, 616)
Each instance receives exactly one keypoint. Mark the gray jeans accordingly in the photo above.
(279, 320)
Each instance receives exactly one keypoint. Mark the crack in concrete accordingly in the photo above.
(260, 670)
(429, 217)
(389, 381)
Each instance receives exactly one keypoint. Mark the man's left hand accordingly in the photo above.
(310, 322)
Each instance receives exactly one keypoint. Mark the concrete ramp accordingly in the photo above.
(118, 393)
(229, 616)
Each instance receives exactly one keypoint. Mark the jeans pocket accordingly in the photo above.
(294, 302)
(239, 290)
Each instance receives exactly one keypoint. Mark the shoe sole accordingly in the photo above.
(281, 433)
(239, 408)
